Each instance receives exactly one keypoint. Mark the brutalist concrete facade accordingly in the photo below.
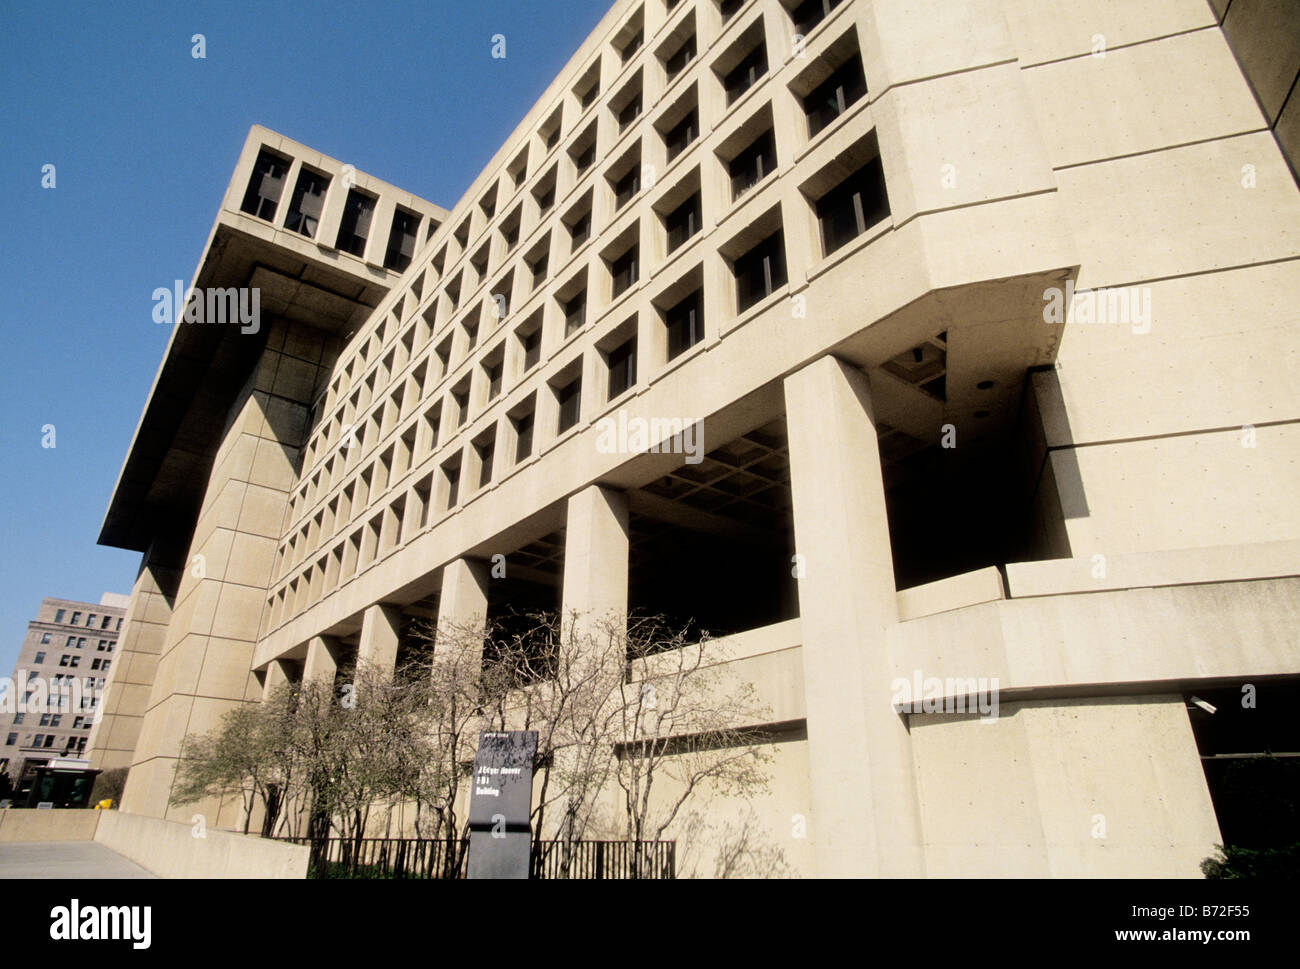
(985, 311)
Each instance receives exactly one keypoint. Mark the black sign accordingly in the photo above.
(501, 800)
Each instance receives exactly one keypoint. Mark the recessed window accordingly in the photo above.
(575, 313)
(401, 240)
(729, 8)
(626, 186)
(835, 95)
(460, 403)
(580, 227)
(853, 206)
(538, 262)
(677, 62)
(682, 134)
(510, 230)
(753, 164)
(629, 112)
(40, 658)
(523, 427)
(550, 131)
(76, 618)
(45, 638)
(745, 74)
(760, 272)
(58, 616)
(485, 452)
(583, 151)
(623, 271)
(622, 368)
(489, 203)
(355, 226)
(265, 185)
(685, 323)
(569, 397)
(492, 373)
(307, 202)
(632, 45)
(683, 222)
(518, 170)
(544, 193)
(810, 13)
(631, 36)
(587, 89)
(530, 342)
(451, 475)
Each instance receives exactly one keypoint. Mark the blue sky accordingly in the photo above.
(144, 138)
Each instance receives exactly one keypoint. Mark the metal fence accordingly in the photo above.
(435, 858)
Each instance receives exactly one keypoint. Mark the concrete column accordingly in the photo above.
(866, 818)
(463, 600)
(380, 633)
(595, 557)
(277, 675)
(322, 661)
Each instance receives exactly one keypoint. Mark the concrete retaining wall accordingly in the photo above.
(27, 824)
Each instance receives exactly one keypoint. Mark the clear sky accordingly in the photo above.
(144, 138)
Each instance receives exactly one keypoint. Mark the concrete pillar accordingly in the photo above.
(866, 817)
(463, 600)
(322, 661)
(595, 557)
(381, 628)
(277, 675)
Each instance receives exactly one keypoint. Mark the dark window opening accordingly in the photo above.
(746, 74)
(575, 313)
(630, 112)
(683, 134)
(580, 231)
(523, 437)
(570, 400)
(306, 204)
(264, 187)
(753, 164)
(683, 56)
(810, 13)
(355, 227)
(835, 95)
(532, 349)
(401, 240)
(624, 271)
(853, 206)
(627, 187)
(622, 368)
(685, 323)
(683, 222)
(760, 272)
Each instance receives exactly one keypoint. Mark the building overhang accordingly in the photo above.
(207, 364)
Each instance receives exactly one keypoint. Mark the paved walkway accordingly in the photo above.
(65, 859)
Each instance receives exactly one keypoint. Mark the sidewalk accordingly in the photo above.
(65, 859)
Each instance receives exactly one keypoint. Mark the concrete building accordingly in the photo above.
(67, 641)
(985, 311)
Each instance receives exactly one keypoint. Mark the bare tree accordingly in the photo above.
(687, 724)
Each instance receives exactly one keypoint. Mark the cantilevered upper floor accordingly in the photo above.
(317, 242)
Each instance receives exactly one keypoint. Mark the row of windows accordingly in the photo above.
(47, 740)
(307, 202)
(54, 719)
(104, 622)
(841, 217)
(79, 642)
(845, 212)
(746, 169)
(624, 184)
